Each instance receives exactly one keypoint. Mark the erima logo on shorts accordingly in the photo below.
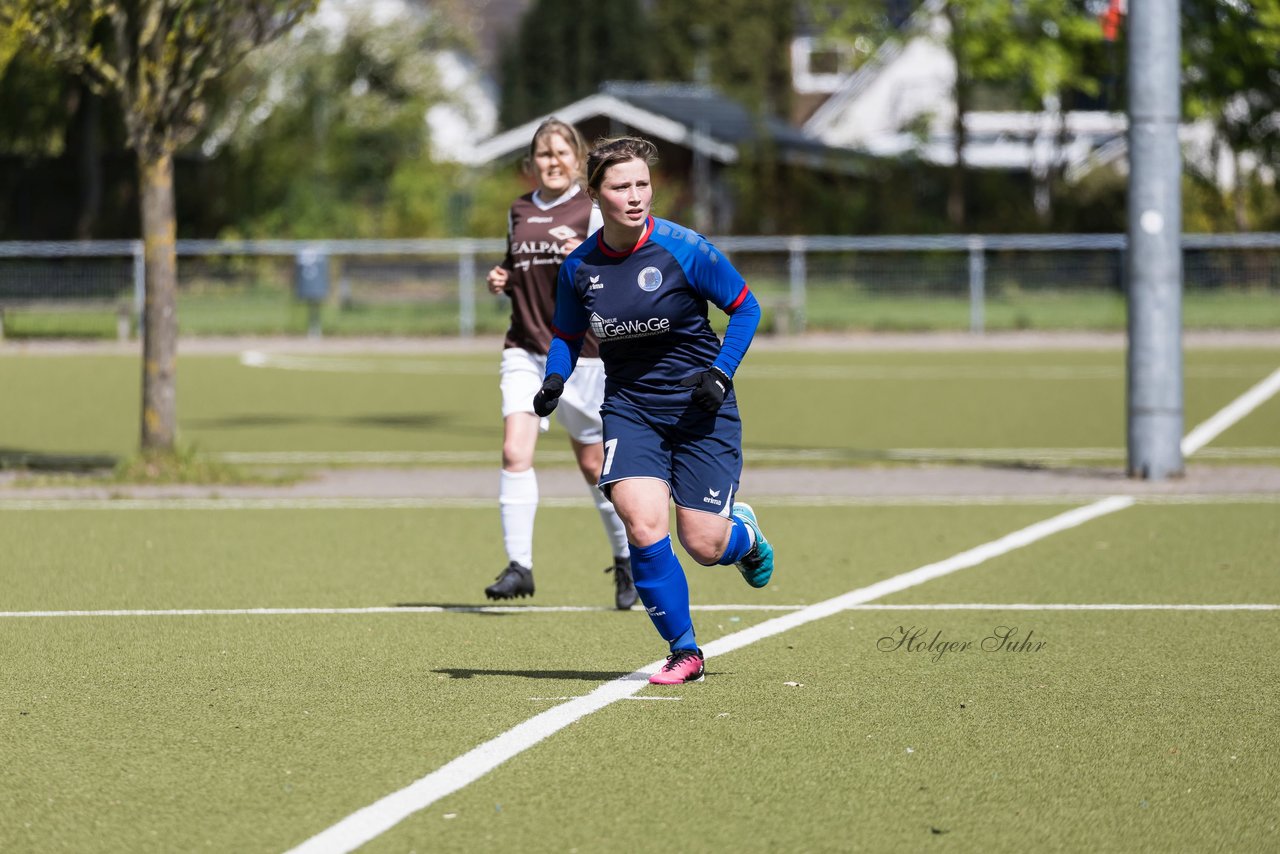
(713, 498)
(649, 279)
(612, 328)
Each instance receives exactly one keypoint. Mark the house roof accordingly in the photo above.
(697, 117)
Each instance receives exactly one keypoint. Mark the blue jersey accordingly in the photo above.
(648, 308)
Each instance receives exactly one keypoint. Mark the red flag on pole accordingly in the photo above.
(1112, 18)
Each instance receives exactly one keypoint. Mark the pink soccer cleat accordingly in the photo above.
(683, 665)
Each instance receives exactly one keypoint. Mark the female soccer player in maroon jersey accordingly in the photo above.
(543, 227)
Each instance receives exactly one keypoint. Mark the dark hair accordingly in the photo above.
(609, 152)
(570, 135)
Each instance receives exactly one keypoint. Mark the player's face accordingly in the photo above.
(625, 194)
(555, 164)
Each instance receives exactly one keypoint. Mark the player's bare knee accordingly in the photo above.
(644, 532)
(516, 457)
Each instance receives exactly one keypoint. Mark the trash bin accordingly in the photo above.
(311, 277)
(311, 284)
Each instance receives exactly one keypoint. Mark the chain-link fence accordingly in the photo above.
(436, 287)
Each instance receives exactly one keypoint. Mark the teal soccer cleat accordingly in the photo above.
(756, 565)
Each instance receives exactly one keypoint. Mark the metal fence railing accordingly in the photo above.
(426, 287)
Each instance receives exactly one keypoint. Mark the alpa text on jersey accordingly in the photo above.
(536, 235)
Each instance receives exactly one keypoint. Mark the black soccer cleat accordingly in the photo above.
(624, 586)
(515, 580)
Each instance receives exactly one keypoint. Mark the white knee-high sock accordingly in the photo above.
(518, 499)
(613, 527)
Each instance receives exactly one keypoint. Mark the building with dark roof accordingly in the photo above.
(698, 130)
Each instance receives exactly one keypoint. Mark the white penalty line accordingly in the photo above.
(1231, 413)
(377, 818)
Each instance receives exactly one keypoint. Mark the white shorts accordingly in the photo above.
(579, 409)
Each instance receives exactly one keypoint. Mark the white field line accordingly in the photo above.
(557, 699)
(373, 609)
(372, 821)
(1231, 413)
(203, 504)
(757, 455)
(1062, 606)
(567, 609)
(356, 364)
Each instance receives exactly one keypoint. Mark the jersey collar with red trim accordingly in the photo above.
(644, 238)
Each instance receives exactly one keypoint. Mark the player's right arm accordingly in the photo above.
(500, 276)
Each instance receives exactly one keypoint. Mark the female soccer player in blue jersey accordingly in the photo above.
(671, 426)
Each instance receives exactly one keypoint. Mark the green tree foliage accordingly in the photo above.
(35, 92)
(564, 49)
(742, 49)
(159, 58)
(742, 46)
(1032, 50)
(323, 135)
(316, 126)
(1231, 53)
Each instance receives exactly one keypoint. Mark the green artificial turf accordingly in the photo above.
(857, 407)
(1125, 731)
(830, 306)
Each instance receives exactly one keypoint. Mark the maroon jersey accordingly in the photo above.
(536, 240)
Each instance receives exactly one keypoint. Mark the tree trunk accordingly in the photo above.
(1239, 192)
(956, 201)
(89, 162)
(160, 314)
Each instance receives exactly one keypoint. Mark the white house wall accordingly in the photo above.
(918, 81)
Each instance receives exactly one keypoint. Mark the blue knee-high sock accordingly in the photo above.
(739, 543)
(664, 590)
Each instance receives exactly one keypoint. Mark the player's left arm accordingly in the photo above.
(717, 280)
(569, 325)
(713, 277)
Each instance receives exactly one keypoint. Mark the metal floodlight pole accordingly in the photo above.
(1154, 264)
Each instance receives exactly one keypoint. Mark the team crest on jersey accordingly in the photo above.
(650, 279)
(562, 232)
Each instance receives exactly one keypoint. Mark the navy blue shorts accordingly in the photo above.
(697, 454)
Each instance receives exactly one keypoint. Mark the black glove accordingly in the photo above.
(709, 387)
(544, 402)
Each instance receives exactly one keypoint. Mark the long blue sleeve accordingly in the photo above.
(562, 356)
(738, 335)
(569, 323)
